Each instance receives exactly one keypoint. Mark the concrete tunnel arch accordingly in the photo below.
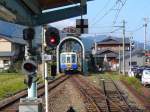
(60, 45)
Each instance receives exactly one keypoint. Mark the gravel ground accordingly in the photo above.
(130, 97)
(65, 96)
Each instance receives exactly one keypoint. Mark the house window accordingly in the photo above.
(6, 61)
(147, 60)
(133, 63)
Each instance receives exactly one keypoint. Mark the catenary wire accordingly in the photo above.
(105, 14)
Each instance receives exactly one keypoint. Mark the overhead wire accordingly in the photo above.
(118, 11)
(117, 14)
(137, 29)
(104, 7)
(105, 14)
(115, 30)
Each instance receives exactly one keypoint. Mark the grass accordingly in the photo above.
(10, 83)
(132, 81)
(112, 75)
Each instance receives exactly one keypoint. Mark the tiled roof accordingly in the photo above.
(109, 53)
(113, 40)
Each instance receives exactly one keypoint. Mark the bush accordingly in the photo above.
(14, 68)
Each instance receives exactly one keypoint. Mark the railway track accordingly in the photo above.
(11, 104)
(111, 91)
(97, 100)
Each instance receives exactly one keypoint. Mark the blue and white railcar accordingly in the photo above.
(68, 61)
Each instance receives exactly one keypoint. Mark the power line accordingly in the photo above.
(105, 14)
(137, 29)
(106, 4)
(115, 30)
(119, 10)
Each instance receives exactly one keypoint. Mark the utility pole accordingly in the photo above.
(145, 33)
(123, 47)
(119, 60)
(95, 48)
(130, 52)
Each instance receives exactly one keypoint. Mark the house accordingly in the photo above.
(110, 48)
(11, 49)
(137, 59)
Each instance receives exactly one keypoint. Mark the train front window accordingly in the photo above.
(73, 58)
(68, 59)
(63, 58)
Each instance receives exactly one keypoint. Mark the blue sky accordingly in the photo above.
(133, 12)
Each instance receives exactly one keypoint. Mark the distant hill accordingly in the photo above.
(13, 30)
(89, 40)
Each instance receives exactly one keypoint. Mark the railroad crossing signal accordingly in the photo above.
(28, 34)
(81, 26)
(52, 37)
(29, 67)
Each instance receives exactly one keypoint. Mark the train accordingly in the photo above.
(68, 61)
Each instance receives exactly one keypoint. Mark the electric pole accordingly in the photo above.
(119, 60)
(131, 52)
(123, 47)
(145, 33)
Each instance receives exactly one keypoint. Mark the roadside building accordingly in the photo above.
(110, 48)
(137, 59)
(147, 58)
(11, 49)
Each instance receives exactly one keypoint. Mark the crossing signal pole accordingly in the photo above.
(51, 39)
(29, 68)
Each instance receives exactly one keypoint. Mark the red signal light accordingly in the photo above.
(52, 37)
(53, 40)
(29, 67)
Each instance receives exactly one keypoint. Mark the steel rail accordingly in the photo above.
(15, 98)
(87, 96)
